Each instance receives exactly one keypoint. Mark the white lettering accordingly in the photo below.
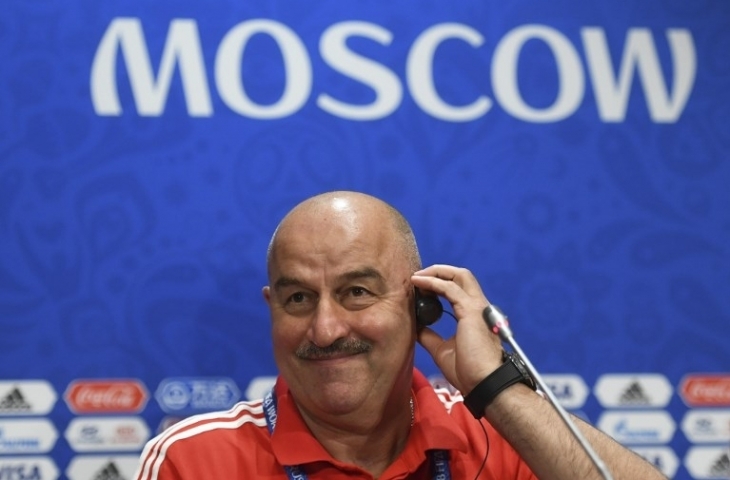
(182, 47)
(297, 70)
(612, 91)
(710, 392)
(570, 74)
(419, 73)
(114, 397)
(182, 52)
(387, 86)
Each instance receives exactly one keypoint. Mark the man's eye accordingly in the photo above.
(358, 291)
(357, 298)
(297, 297)
(299, 303)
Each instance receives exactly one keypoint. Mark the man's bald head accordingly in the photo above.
(349, 210)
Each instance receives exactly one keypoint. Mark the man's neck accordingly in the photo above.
(370, 443)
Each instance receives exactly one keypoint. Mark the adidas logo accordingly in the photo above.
(634, 395)
(14, 402)
(721, 468)
(109, 472)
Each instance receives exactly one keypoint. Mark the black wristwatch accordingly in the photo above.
(512, 371)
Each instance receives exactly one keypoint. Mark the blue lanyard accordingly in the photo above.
(439, 459)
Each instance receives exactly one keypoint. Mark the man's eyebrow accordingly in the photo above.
(283, 282)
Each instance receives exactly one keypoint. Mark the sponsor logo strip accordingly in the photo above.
(633, 390)
(105, 434)
(708, 462)
(27, 468)
(570, 390)
(27, 436)
(709, 390)
(632, 428)
(707, 426)
(106, 396)
(26, 397)
(117, 467)
(195, 395)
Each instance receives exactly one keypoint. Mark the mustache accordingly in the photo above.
(340, 346)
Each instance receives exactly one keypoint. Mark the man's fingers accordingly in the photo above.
(459, 276)
(442, 351)
(430, 340)
(463, 302)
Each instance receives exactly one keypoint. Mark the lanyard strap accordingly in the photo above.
(439, 459)
(294, 472)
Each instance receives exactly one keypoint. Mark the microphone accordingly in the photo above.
(499, 325)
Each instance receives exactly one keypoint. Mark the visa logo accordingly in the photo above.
(20, 472)
(562, 391)
(569, 389)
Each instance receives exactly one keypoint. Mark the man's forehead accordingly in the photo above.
(337, 254)
(334, 238)
(338, 233)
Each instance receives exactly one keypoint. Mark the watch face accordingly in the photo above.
(523, 371)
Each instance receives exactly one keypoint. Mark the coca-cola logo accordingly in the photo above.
(706, 390)
(106, 396)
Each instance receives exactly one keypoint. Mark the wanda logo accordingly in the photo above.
(106, 396)
(706, 390)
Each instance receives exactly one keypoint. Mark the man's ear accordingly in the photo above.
(266, 291)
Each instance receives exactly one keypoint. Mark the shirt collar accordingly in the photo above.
(433, 428)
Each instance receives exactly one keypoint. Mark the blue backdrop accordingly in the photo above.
(573, 155)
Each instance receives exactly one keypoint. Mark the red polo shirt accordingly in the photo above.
(237, 445)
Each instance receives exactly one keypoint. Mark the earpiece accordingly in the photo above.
(428, 308)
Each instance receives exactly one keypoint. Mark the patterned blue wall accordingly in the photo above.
(593, 206)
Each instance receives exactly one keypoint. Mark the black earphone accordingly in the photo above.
(428, 308)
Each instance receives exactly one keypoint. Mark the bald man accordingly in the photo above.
(343, 269)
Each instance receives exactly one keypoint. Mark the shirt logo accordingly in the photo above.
(106, 396)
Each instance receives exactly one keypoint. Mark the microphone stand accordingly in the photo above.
(500, 326)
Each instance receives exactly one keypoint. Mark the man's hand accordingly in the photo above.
(473, 352)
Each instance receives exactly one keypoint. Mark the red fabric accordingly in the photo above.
(237, 445)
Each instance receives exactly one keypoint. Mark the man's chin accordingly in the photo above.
(339, 397)
(339, 401)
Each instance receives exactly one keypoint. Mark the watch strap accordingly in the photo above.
(487, 390)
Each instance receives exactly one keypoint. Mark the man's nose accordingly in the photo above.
(329, 322)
